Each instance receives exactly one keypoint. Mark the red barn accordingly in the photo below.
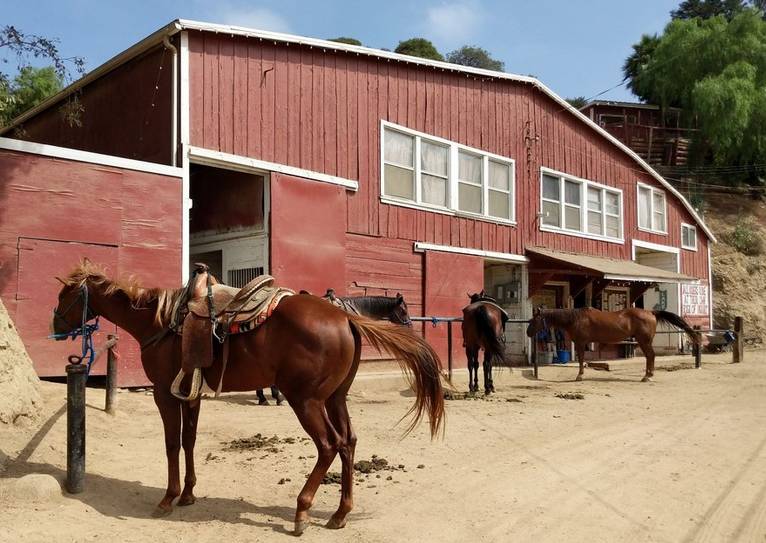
(330, 165)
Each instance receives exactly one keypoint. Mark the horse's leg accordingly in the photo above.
(487, 367)
(261, 398)
(314, 419)
(338, 412)
(170, 411)
(580, 350)
(190, 416)
(473, 369)
(276, 395)
(648, 349)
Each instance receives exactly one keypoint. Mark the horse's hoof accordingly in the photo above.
(578, 378)
(162, 511)
(336, 524)
(263, 402)
(300, 526)
(646, 379)
(186, 500)
(280, 402)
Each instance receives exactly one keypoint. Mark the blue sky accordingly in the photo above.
(576, 48)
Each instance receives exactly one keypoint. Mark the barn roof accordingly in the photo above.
(185, 24)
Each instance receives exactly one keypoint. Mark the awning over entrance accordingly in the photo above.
(610, 269)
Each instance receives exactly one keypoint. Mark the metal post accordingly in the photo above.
(697, 348)
(739, 341)
(111, 376)
(534, 354)
(449, 351)
(75, 422)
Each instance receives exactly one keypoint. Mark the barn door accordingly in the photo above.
(449, 278)
(40, 262)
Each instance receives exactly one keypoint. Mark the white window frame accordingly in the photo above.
(452, 178)
(585, 184)
(694, 231)
(652, 192)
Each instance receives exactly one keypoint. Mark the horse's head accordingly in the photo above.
(476, 296)
(72, 310)
(537, 322)
(400, 315)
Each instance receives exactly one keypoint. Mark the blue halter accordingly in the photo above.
(85, 330)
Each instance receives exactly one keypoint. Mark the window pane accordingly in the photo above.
(612, 227)
(572, 192)
(434, 190)
(551, 187)
(499, 204)
(399, 182)
(659, 202)
(433, 158)
(594, 199)
(594, 222)
(499, 176)
(469, 198)
(644, 207)
(469, 168)
(659, 221)
(612, 203)
(551, 213)
(399, 148)
(572, 218)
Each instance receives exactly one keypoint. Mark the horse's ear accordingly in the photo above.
(399, 298)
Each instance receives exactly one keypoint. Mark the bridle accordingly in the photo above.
(85, 330)
(396, 318)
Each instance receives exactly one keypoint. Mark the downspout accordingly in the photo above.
(174, 106)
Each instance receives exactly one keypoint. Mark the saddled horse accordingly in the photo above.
(590, 325)
(483, 328)
(308, 347)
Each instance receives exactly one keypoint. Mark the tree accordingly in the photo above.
(347, 41)
(578, 102)
(638, 60)
(705, 9)
(418, 47)
(32, 85)
(476, 57)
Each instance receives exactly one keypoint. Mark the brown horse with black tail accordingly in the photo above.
(588, 325)
(483, 328)
(307, 347)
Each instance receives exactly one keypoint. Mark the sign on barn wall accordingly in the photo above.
(695, 300)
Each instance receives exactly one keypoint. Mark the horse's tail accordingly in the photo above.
(492, 342)
(674, 320)
(419, 362)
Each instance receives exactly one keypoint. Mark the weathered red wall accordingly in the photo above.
(321, 110)
(55, 211)
(127, 113)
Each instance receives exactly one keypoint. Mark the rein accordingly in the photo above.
(85, 330)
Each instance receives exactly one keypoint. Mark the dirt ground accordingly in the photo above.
(607, 459)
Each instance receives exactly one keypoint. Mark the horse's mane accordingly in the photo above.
(140, 297)
(562, 317)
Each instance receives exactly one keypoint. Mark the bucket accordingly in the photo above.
(546, 357)
(563, 356)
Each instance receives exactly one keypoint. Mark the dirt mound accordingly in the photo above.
(20, 399)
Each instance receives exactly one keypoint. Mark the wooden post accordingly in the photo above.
(76, 375)
(111, 376)
(449, 351)
(739, 341)
(697, 348)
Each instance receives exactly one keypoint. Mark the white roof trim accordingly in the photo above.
(612, 277)
(421, 247)
(88, 157)
(186, 24)
(208, 157)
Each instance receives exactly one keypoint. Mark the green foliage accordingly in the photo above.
(745, 238)
(637, 62)
(347, 41)
(418, 47)
(705, 9)
(578, 102)
(476, 57)
(30, 87)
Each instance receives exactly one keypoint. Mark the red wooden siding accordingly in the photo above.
(321, 110)
(126, 114)
(55, 211)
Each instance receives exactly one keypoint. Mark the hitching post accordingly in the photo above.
(739, 341)
(449, 351)
(697, 347)
(76, 374)
(111, 375)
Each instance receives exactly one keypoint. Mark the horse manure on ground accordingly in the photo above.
(570, 395)
(259, 442)
(331, 478)
(676, 367)
(476, 396)
(365, 467)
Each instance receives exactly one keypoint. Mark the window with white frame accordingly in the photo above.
(434, 173)
(689, 237)
(652, 209)
(573, 205)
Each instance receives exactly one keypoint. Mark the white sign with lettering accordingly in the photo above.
(695, 300)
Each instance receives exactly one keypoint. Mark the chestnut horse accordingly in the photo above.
(308, 347)
(483, 328)
(588, 325)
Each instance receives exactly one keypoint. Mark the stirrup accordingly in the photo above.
(175, 388)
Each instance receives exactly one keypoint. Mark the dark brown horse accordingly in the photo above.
(483, 328)
(308, 347)
(588, 325)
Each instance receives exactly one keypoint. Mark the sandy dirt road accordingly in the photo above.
(680, 459)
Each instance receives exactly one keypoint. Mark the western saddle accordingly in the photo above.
(206, 312)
